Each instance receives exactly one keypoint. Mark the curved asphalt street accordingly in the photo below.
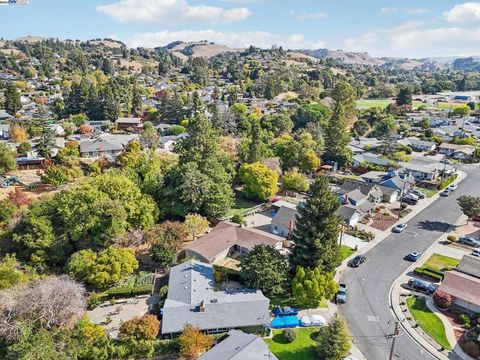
(367, 309)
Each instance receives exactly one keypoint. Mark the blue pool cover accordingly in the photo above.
(285, 322)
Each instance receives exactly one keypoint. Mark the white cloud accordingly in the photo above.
(171, 12)
(232, 39)
(388, 10)
(467, 13)
(306, 16)
(411, 39)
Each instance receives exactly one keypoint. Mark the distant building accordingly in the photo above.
(192, 299)
(129, 124)
(461, 152)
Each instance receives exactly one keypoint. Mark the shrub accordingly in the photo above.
(442, 299)
(119, 292)
(465, 319)
(239, 219)
(472, 349)
(451, 238)
(94, 300)
(142, 289)
(290, 335)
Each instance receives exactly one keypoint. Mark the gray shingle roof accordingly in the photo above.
(191, 285)
(283, 217)
(239, 346)
(470, 265)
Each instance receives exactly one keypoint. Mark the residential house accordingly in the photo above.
(239, 346)
(108, 145)
(167, 143)
(283, 223)
(363, 144)
(370, 190)
(371, 159)
(129, 124)
(228, 239)
(192, 299)
(4, 131)
(421, 145)
(350, 215)
(401, 184)
(373, 176)
(461, 152)
(5, 116)
(464, 287)
(421, 172)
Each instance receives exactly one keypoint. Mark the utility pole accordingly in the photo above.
(393, 336)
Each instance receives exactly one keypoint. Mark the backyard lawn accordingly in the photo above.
(345, 252)
(241, 206)
(441, 263)
(281, 300)
(428, 321)
(302, 348)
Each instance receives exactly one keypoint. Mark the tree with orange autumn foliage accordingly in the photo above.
(18, 133)
(140, 328)
(19, 197)
(85, 129)
(193, 342)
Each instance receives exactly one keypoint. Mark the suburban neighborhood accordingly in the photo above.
(251, 196)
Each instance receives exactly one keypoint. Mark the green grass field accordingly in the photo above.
(345, 252)
(440, 262)
(428, 321)
(302, 348)
(381, 103)
(241, 206)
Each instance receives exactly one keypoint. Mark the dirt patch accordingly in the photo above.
(382, 221)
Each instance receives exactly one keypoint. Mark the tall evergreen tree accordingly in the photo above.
(316, 229)
(46, 142)
(337, 134)
(12, 99)
(404, 96)
(202, 183)
(109, 104)
(137, 102)
(334, 340)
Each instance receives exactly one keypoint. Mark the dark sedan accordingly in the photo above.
(357, 261)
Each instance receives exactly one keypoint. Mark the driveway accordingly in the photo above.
(368, 310)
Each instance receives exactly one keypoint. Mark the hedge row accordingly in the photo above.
(430, 273)
(121, 292)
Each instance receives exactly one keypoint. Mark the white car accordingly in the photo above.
(452, 187)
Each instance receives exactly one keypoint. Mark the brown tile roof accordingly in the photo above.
(462, 286)
(227, 234)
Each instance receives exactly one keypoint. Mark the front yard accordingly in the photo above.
(441, 263)
(345, 252)
(428, 321)
(302, 348)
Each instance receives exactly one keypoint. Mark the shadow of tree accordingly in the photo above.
(433, 225)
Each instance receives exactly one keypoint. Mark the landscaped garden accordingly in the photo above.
(428, 321)
(302, 348)
(436, 265)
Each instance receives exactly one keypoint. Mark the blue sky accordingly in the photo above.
(384, 28)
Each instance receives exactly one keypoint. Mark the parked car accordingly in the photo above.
(476, 218)
(399, 228)
(476, 252)
(341, 297)
(418, 193)
(413, 256)
(284, 311)
(470, 241)
(452, 187)
(445, 193)
(422, 286)
(409, 200)
(357, 261)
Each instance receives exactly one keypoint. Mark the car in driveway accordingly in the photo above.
(413, 256)
(470, 241)
(341, 296)
(399, 228)
(476, 218)
(452, 187)
(422, 286)
(410, 200)
(357, 261)
(418, 193)
(445, 193)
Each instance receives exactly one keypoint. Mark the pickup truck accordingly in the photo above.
(341, 297)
